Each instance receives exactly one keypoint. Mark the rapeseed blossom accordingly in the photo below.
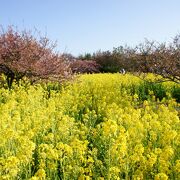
(97, 127)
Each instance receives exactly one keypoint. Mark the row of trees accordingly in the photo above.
(150, 56)
(31, 55)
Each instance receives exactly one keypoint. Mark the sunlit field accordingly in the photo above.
(99, 126)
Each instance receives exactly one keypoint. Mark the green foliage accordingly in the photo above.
(147, 89)
(176, 93)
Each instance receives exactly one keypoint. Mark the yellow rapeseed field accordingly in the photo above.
(100, 126)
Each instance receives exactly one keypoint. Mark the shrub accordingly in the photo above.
(84, 66)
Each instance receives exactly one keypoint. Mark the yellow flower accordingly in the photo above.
(177, 166)
(41, 174)
(161, 176)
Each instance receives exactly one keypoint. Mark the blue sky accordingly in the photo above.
(82, 26)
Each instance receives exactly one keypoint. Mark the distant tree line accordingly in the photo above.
(159, 58)
(28, 54)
